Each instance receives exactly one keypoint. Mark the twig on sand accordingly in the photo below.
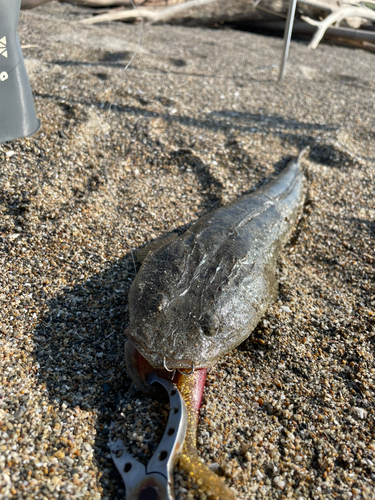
(149, 15)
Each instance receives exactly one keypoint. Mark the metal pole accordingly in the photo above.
(287, 36)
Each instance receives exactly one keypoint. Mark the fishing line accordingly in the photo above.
(139, 45)
(107, 133)
(140, 37)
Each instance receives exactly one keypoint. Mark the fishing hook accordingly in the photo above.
(180, 372)
(168, 370)
(187, 373)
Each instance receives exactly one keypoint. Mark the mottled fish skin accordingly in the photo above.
(202, 294)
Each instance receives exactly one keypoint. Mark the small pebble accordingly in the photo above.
(278, 482)
(285, 309)
(19, 413)
(359, 412)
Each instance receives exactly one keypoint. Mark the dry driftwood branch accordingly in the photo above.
(120, 15)
(30, 4)
(149, 15)
(336, 17)
(125, 3)
(101, 3)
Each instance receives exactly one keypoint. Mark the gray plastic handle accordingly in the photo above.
(17, 112)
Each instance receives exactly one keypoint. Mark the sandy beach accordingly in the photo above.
(125, 157)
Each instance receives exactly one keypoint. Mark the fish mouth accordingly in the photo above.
(139, 368)
(177, 365)
(160, 361)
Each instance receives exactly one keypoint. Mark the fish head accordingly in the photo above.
(175, 320)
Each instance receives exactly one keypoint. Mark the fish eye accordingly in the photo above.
(158, 302)
(209, 324)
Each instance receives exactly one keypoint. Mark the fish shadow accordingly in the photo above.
(79, 352)
(79, 345)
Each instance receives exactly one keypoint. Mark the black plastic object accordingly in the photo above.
(17, 112)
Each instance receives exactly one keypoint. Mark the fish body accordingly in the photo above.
(201, 294)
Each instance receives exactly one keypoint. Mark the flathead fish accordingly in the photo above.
(200, 295)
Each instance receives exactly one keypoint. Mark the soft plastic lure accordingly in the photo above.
(191, 389)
